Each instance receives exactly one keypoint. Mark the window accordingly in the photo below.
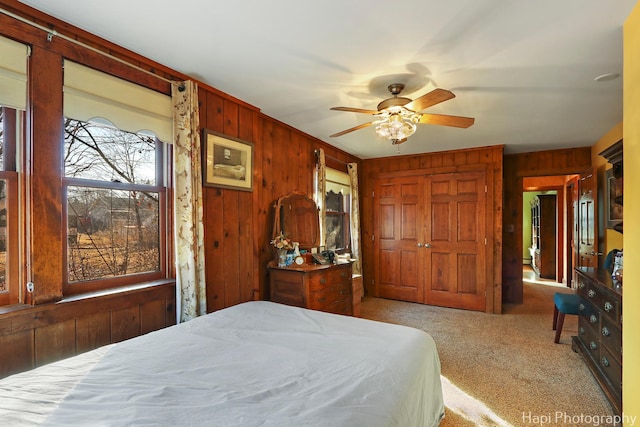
(115, 192)
(13, 99)
(337, 209)
(114, 181)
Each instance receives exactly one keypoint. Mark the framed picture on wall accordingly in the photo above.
(226, 162)
(613, 200)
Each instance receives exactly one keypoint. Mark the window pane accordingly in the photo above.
(104, 153)
(111, 233)
(3, 236)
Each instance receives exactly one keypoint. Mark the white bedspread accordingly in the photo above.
(254, 364)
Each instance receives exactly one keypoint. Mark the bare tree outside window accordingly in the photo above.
(113, 200)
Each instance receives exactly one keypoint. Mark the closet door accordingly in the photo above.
(429, 239)
(455, 246)
(399, 261)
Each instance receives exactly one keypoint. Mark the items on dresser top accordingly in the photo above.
(599, 337)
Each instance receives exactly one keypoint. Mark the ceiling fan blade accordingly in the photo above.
(445, 120)
(362, 126)
(434, 97)
(355, 110)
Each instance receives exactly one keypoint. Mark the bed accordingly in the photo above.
(254, 364)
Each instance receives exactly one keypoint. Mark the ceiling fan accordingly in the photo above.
(398, 116)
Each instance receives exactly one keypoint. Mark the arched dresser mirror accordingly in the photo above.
(296, 217)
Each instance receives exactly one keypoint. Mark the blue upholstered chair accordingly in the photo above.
(564, 304)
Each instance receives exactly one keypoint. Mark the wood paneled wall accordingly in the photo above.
(441, 162)
(516, 167)
(33, 336)
(238, 224)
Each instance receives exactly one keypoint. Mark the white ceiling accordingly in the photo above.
(524, 69)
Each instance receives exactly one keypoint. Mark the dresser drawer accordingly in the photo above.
(603, 302)
(318, 300)
(611, 337)
(583, 286)
(341, 274)
(340, 307)
(318, 282)
(286, 287)
(611, 368)
(591, 340)
(590, 317)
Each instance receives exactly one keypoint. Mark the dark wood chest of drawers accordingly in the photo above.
(318, 287)
(599, 337)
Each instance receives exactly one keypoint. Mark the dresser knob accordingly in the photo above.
(581, 330)
(581, 307)
(323, 280)
(322, 299)
(581, 285)
(605, 331)
(608, 306)
(593, 318)
(591, 293)
(593, 345)
(604, 362)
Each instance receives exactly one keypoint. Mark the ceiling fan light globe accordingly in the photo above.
(395, 128)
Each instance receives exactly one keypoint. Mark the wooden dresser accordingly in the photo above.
(599, 337)
(318, 287)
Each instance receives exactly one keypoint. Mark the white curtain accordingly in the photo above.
(189, 228)
(321, 191)
(352, 168)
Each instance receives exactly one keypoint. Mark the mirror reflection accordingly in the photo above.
(296, 216)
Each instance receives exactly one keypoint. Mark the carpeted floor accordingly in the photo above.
(504, 369)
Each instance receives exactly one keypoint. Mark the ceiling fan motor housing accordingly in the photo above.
(397, 101)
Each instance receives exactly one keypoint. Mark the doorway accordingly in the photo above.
(562, 187)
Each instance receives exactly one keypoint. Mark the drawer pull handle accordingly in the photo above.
(342, 292)
(581, 285)
(604, 362)
(593, 345)
(605, 331)
(591, 293)
(608, 306)
(581, 330)
(581, 307)
(593, 318)
(323, 280)
(343, 274)
(322, 299)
